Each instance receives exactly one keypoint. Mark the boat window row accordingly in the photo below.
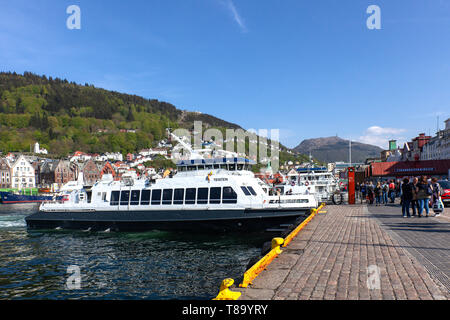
(213, 195)
(225, 166)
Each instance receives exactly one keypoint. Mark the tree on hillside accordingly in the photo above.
(130, 116)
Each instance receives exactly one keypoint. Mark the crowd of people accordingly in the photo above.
(418, 194)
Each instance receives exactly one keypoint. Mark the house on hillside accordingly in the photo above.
(22, 174)
(59, 171)
(80, 156)
(91, 172)
(108, 168)
(5, 171)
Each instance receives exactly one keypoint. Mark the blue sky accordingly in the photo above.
(308, 68)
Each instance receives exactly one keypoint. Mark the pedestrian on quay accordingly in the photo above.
(385, 192)
(378, 193)
(357, 188)
(414, 202)
(370, 192)
(399, 190)
(424, 193)
(363, 192)
(392, 191)
(407, 196)
(436, 197)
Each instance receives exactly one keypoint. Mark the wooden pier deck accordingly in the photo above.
(361, 253)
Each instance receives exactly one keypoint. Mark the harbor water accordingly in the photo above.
(152, 265)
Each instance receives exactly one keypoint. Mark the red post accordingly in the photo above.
(351, 185)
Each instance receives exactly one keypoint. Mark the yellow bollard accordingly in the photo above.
(225, 293)
(276, 244)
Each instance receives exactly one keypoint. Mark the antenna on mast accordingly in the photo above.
(437, 124)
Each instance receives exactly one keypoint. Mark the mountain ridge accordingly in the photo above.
(335, 149)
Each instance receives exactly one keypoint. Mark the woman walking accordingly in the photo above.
(424, 192)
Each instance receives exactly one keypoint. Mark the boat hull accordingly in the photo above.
(183, 220)
(10, 198)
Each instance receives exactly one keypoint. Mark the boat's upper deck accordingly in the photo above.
(229, 164)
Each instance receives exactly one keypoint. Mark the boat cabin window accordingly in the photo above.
(231, 167)
(156, 197)
(135, 195)
(115, 195)
(201, 167)
(178, 196)
(229, 195)
(223, 166)
(145, 198)
(191, 168)
(190, 196)
(216, 166)
(202, 195)
(252, 191)
(182, 168)
(167, 196)
(246, 192)
(240, 166)
(208, 166)
(214, 195)
(124, 198)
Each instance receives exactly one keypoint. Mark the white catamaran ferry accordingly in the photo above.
(322, 183)
(216, 194)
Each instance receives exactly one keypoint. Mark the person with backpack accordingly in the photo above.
(424, 192)
(378, 194)
(385, 192)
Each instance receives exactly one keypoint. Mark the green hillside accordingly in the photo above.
(64, 117)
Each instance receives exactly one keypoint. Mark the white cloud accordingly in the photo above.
(375, 130)
(380, 136)
(236, 16)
